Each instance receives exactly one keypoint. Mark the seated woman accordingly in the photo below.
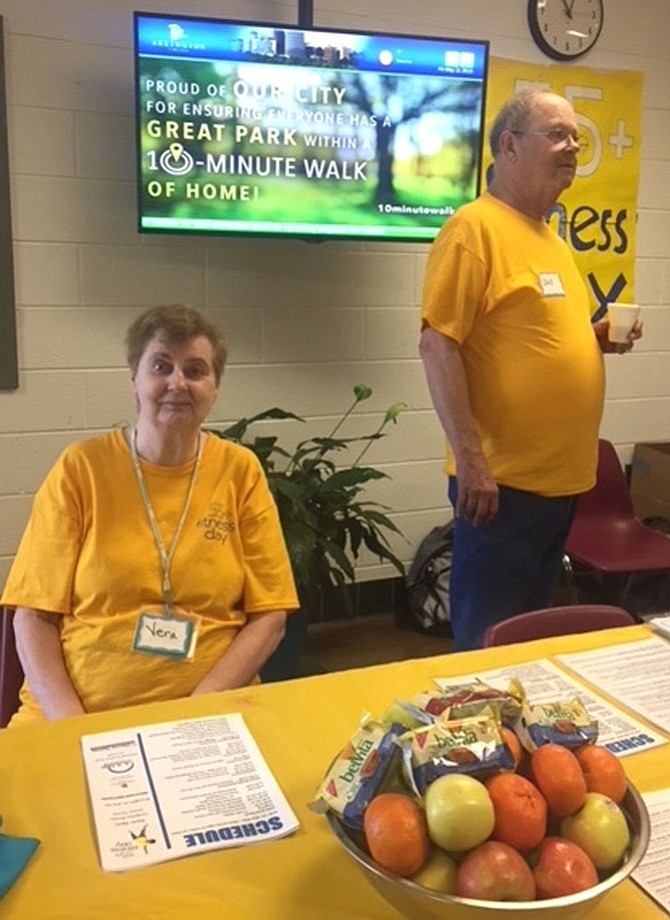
(153, 565)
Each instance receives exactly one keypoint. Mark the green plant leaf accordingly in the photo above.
(382, 551)
(394, 411)
(347, 479)
(324, 521)
(341, 559)
(237, 430)
(361, 392)
(275, 414)
(381, 520)
(325, 444)
(234, 432)
(355, 536)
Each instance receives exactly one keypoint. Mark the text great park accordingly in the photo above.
(215, 131)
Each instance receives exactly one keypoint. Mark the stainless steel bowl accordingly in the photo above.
(418, 903)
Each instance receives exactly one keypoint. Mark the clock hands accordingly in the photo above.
(565, 29)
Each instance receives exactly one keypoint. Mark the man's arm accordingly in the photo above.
(448, 386)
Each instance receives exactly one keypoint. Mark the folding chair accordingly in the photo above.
(606, 538)
(556, 621)
(11, 672)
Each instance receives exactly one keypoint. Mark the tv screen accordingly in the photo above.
(259, 129)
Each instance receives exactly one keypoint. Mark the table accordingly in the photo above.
(299, 725)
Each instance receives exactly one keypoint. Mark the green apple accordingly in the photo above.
(600, 829)
(459, 812)
(438, 873)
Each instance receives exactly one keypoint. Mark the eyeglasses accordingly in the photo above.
(557, 136)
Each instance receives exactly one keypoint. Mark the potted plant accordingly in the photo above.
(325, 520)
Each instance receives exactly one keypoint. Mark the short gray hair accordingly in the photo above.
(514, 116)
(177, 324)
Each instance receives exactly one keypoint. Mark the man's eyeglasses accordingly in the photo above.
(557, 136)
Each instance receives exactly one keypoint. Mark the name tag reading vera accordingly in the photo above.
(171, 637)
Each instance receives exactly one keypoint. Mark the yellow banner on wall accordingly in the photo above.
(597, 215)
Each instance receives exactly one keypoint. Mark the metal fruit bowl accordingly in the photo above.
(418, 903)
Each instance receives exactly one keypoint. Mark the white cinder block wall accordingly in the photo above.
(305, 322)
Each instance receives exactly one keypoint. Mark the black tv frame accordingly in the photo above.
(305, 20)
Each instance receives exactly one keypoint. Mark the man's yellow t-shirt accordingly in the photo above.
(506, 288)
(88, 552)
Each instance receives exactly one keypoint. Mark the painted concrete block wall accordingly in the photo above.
(305, 322)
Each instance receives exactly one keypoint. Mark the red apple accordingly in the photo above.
(495, 871)
(562, 868)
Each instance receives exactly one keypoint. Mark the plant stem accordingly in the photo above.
(344, 418)
(370, 439)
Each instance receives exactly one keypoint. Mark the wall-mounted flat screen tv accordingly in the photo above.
(259, 129)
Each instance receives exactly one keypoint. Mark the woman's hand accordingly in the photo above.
(247, 653)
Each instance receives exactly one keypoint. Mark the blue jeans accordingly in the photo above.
(508, 566)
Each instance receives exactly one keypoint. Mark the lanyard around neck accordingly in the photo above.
(164, 555)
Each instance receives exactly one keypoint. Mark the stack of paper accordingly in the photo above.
(661, 624)
(163, 791)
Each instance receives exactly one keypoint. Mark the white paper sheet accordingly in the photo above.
(636, 673)
(661, 624)
(543, 682)
(652, 873)
(172, 789)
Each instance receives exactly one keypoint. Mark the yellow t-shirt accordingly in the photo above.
(88, 552)
(506, 288)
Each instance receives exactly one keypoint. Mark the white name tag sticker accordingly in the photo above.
(551, 284)
(170, 637)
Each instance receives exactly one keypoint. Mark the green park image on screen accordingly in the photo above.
(299, 149)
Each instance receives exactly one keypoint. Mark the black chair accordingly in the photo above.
(11, 672)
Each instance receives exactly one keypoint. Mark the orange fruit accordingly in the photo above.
(558, 775)
(520, 811)
(602, 771)
(396, 833)
(511, 739)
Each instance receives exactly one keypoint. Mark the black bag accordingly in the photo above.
(426, 606)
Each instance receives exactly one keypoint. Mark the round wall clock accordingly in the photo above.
(565, 29)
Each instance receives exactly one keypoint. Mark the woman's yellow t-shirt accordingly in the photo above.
(88, 553)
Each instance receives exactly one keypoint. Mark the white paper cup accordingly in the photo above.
(621, 317)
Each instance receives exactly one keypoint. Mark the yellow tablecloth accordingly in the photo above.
(299, 725)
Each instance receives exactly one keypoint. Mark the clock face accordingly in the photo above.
(565, 29)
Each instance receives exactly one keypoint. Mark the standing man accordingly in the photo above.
(515, 371)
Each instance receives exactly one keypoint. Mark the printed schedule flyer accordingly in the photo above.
(544, 682)
(173, 789)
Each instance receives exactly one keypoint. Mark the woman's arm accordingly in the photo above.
(247, 653)
(41, 656)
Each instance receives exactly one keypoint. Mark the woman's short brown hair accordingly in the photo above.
(176, 324)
